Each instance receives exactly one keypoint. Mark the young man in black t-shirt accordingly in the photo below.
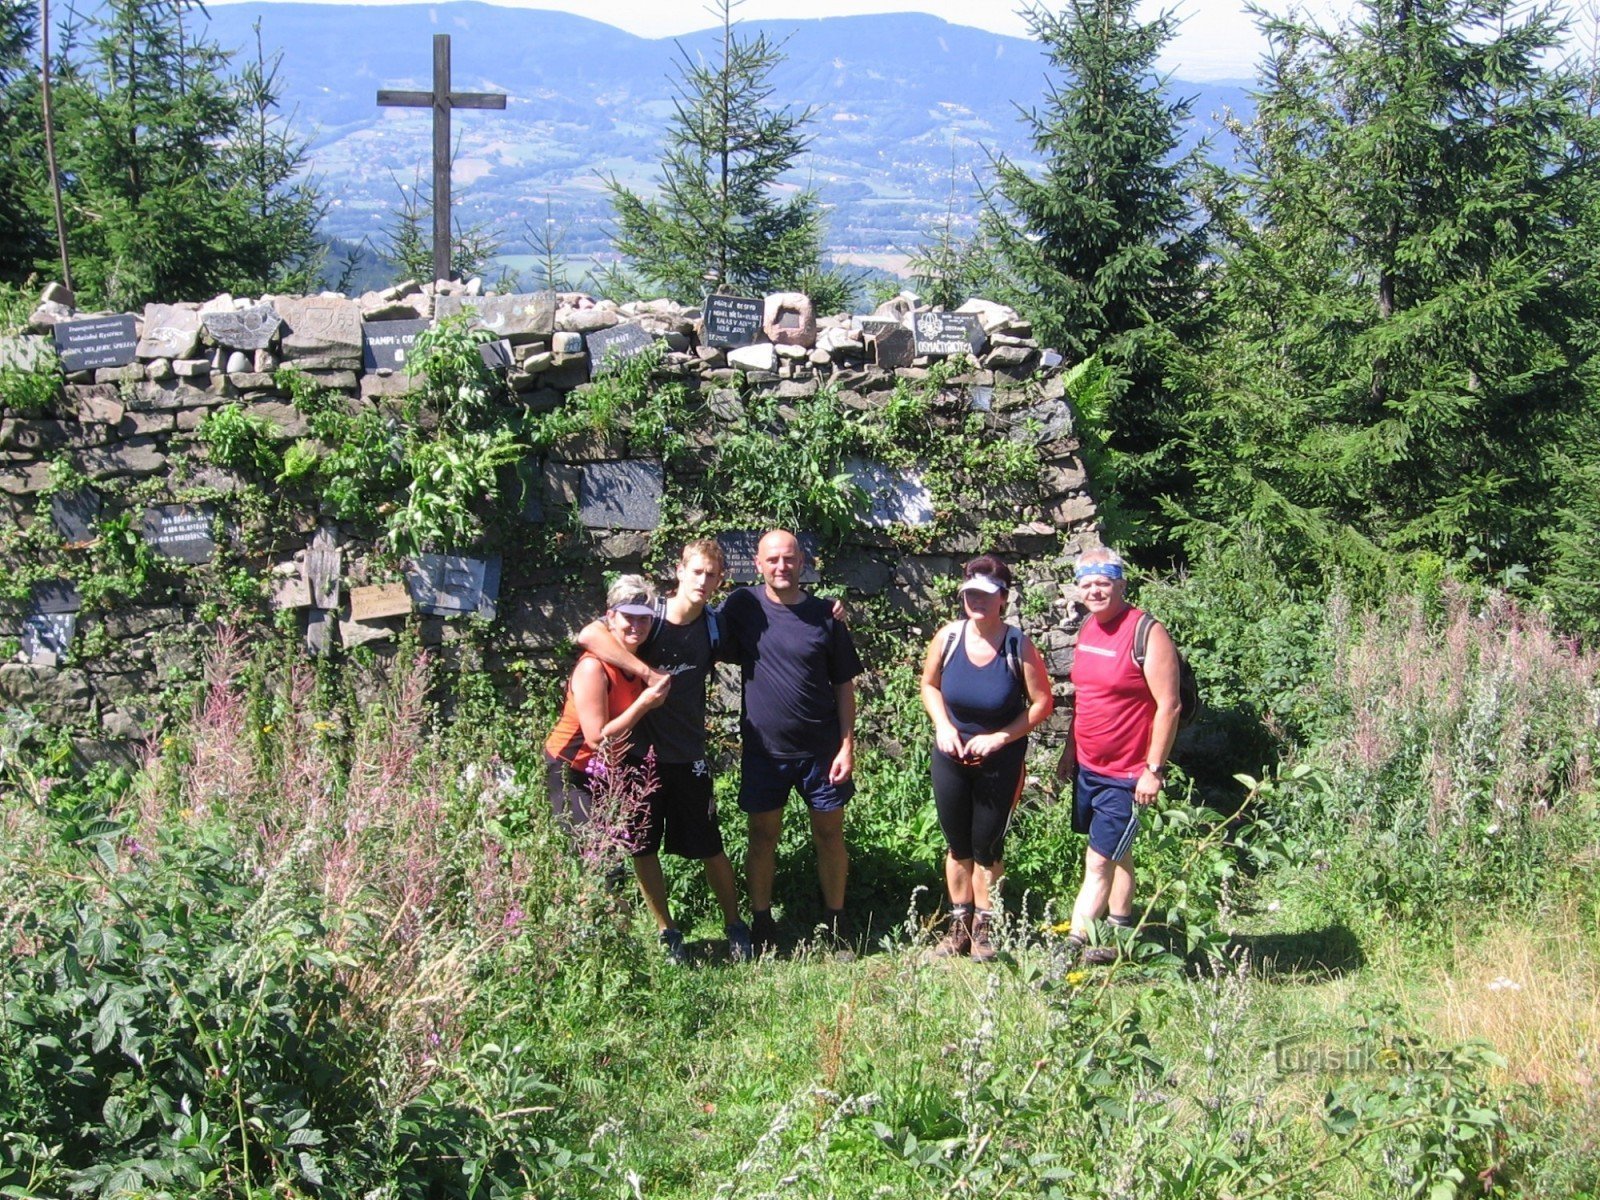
(798, 664)
(682, 809)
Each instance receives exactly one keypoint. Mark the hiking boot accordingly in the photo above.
(1100, 956)
(672, 946)
(957, 940)
(741, 948)
(982, 937)
(763, 933)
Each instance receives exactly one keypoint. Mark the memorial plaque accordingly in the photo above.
(739, 556)
(170, 331)
(75, 514)
(96, 342)
(382, 600)
(1049, 359)
(56, 596)
(181, 532)
(891, 348)
(322, 567)
(621, 495)
(943, 334)
(320, 625)
(872, 326)
(731, 321)
(489, 600)
(446, 585)
(497, 356)
(250, 328)
(521, 318)
(385, 345)
(981, 398)
(46, 637)
(896, 497)
(291, 591)
(608, 347)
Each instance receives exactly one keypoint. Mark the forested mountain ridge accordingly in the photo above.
(900, 98)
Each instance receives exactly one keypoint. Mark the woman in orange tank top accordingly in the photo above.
(603, 705)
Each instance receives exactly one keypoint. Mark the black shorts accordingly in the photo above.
(975, 802)
(682, 811)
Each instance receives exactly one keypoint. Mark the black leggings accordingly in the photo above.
(975, 803)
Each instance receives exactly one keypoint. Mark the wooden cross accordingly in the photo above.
(441, 100)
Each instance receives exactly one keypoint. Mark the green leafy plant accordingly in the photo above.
(241, 440)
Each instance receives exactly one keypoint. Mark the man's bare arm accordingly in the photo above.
(602, 643)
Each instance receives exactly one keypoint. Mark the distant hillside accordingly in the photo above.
(898, 98)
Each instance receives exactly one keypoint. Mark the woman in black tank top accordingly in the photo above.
(985, 687)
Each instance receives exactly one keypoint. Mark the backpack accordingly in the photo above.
(1188, 686)
(713, 630)
(1010, 649)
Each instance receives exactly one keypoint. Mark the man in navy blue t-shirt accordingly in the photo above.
(798, 665)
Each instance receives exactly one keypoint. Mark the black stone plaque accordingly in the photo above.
(181, 532)
(607, 347)
(943, 334)
(446, 585)
(56, 596)
(497, 356)
(74, 514)
(96, 342)
(386, 345)
(621, 495)
(892, 347)
(739, 556)
(46, 637)
(872, 326)
(731, 321)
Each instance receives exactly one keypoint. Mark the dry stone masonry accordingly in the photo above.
(135, 388)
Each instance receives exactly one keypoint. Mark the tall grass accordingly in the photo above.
(1461, 729)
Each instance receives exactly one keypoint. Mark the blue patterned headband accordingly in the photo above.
(1104, 570)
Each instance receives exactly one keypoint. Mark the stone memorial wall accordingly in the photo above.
(112, 483)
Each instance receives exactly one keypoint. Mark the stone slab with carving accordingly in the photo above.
(621, 495)
(250, 328)
(515, 318)
(320, 331)
(170, 331)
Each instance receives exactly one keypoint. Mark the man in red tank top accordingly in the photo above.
(1124, 723)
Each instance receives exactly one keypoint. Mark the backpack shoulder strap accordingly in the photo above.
(951, 640)
(713, 630)
(1141, 639)
(659, 616)
(1012, 647)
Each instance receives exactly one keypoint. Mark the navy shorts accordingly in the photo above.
(681, 811)
(1103, 807)
(765, 783)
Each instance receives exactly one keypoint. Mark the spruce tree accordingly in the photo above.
(21, 233)
(1405, 310)
(719, 220)
(1102, 248)
(179, 183)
